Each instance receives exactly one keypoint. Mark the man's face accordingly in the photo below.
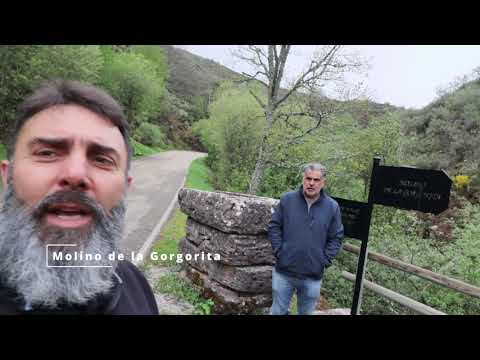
(313, 182)
(66, 148)
(66, 185)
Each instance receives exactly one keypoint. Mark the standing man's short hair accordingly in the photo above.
(70, 92)
(314, 166)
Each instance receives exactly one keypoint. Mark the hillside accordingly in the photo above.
(445, 134)
(192, 75)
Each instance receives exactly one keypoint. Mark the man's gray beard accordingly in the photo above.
(23, 258)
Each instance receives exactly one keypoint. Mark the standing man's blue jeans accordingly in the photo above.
(283, 286)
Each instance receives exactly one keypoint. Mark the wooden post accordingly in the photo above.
(392, 295)
(443, 280)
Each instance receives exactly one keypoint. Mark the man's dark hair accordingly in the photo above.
(68, 92)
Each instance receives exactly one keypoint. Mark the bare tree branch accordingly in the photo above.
(310, 75)
(260, 102)
(250, 78)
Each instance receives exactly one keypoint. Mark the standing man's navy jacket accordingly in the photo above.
(304, 241)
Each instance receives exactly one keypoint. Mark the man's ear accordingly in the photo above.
(129, 181)
(4, 168)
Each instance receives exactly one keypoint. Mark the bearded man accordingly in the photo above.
(65, 183)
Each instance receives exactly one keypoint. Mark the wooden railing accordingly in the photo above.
(416, 306)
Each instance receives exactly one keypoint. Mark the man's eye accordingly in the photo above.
(46, 153)
(102, 160)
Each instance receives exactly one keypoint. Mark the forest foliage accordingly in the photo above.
(444, 135)
(135, 75)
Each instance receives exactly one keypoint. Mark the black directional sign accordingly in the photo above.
(401, 187)
(354, 218)
(411, 188)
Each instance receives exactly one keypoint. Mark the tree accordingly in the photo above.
(231, 136)
(14, 82)
(73, 62)
(329, 64)
(25, 67)
(134, 81)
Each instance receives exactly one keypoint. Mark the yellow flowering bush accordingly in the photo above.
(461, 181)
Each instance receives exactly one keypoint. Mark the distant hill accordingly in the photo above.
(446, 133)
(192, 75)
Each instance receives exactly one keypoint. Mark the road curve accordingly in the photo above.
(156, 180)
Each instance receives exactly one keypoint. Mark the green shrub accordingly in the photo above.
(134, 81)
(3, 152)
(150, 135)
(140, 149)
(199, 176)
(24, 67)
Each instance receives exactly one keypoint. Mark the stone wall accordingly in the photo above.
(235, 227)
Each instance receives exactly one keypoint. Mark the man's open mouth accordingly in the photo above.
(68, 215)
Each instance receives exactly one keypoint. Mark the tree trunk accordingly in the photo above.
(257, 176)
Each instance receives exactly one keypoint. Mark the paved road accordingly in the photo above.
(156, 180)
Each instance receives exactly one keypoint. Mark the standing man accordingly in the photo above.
(306, 233)
(65, 183)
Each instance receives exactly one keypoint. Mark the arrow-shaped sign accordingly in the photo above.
(410, 188)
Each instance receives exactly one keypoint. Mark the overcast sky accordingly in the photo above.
(402, 75)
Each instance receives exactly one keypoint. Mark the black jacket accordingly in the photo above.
(131, 295)
(305, 242)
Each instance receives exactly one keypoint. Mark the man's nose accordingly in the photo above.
(75, 173)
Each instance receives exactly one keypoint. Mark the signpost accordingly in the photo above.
(400, 187)
(412, 188)
(354, 218)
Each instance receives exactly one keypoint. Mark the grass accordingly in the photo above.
(199, 175)
(169, 238)
(174, 285)
(140, 149)
(3, 156)
(3, 152)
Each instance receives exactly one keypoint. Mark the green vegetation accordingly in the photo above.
(134, 81)
(150, 135)
(3, 156)
(135, 75)
(3, 152)
(443, 135)
(170, 236)
(449, 128)
(140, 150)
(231, 135)
(192, 76)
(184, 290)
(398, 238)
(199, 176)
